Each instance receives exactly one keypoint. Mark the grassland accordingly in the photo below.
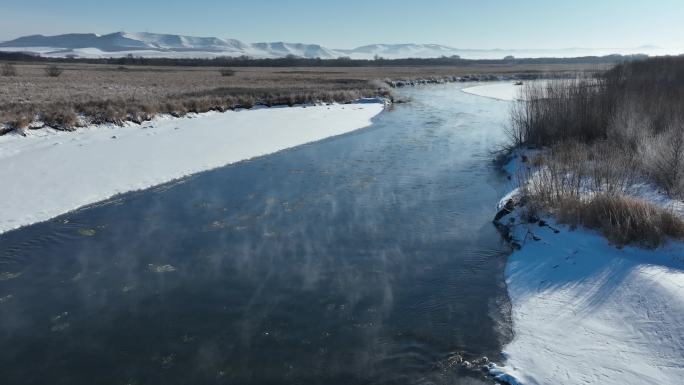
(97, 93)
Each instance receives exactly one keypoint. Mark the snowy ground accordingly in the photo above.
(586, 312)
(500, 91)
(48, 173)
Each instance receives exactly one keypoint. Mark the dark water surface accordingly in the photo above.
(368, 258)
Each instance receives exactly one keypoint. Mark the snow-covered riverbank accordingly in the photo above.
(584, 311)
(49, 173)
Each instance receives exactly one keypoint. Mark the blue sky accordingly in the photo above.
(351, 23)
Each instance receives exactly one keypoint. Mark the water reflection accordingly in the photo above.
(368, 258)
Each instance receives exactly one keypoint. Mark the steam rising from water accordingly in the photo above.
(363, 259)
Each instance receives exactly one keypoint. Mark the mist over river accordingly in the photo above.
(367, 258)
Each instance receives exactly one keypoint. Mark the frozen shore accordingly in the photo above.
(501, 91)
(584, 311)
(48, 173)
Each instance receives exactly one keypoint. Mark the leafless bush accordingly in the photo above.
(638, 95)
(612, 169)
(227, 72)
(8, 69)
(627, 122)
(60, 116)
(601, 136)
(630, 125)
(114, 114)
(21, 122)
(573, 169)
(562, 173)
(665, 160)
(560, 110)
(245, 101)
(53, 71)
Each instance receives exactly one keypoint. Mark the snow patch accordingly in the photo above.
(48, 172)
(584, 311)
(500, 91)
(587, 312)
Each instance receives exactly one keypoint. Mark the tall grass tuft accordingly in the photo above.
(227, 72)
(623, 220)
(53, 71)
(8, 69)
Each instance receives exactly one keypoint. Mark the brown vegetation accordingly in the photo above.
(584, 185)
(623, 220)
(603, 134)
(53, 71)
(112, 93)
(8, 69)
(647, 93)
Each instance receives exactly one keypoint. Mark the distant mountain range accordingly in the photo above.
(145, 44)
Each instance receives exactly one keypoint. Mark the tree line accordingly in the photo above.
(295, 61)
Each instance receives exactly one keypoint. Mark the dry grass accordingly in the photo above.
(111, 93)
(227, 72)
(573, 168)
(602, 135)
(8, 69)
(623, 220)
(587, 184)
(53, 71)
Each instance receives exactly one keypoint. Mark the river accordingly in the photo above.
(368, 258)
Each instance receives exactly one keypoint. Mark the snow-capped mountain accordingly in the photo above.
(158, 45)
(124, 43)
(165, 45)
(391, 51)
(281, 49)
(394, 51)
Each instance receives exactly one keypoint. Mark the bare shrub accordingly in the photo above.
(227, 72)
(245, 101)
(199, 105)
(8, 69)
(560, 110)
(573, 169)
(562, 174)
(150, 109)
(53, 71)
(175, 108)
(666, 160)
(628, 119)
(634, 96)
(21, 122)
(630, 125)
(114, 114)
(61, 116)
(611, 168)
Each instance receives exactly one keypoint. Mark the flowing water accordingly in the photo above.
(368, 258)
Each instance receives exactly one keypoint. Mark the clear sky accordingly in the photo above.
(351, 23)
